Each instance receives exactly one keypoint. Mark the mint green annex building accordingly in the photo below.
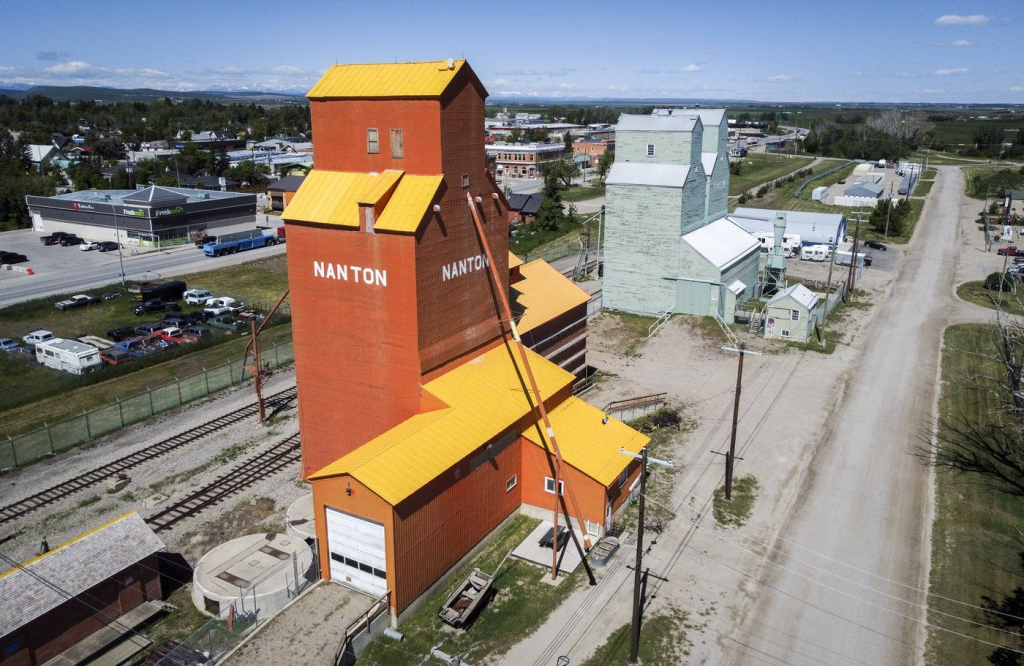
(668, 245)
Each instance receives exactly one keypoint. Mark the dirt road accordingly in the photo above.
(866, 500)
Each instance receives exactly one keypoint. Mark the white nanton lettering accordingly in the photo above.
(463, 267)
(329, 271)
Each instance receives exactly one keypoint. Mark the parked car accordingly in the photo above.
(107, 246)
(223, 305)
(867, 260)
(122, 333)
(1010, 250)
(138, 347)
(877, 245)
(69, 240)
(182, 319)
(156, 305)
(150, 329)
(110, 295)
(842, 181)
(89, 245)
(197, 296)
(196, 333)
(115, 356)
(8, 345)
(173, 334)
(37, 336)
(77, 301)
(54, 238)
(228, 323)
(12, 258)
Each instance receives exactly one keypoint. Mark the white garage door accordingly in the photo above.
(357, 552)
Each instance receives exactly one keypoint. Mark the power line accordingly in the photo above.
(924, 623)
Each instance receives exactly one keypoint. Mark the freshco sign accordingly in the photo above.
(350, 273)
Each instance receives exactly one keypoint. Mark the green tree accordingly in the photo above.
(567, 140)
(561, 172)
(604, 165)
(248, 173)
(550, 215)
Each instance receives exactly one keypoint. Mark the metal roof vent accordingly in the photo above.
(451, 63)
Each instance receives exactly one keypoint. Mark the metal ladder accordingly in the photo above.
(755, 322)
(584, 257)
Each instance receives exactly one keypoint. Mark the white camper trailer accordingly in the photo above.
(814, 253)
(68, 356)
(844, 258)
(819, 193)
(790, 243)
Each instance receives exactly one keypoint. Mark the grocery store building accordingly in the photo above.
(151, 216)
(419, 432)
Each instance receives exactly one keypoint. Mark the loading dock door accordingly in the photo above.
(357, 552)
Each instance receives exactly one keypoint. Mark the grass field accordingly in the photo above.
(975, 542)
(784, 198)
(916, 206)
(591, 190)
(923, 188)
(663, 642)
(521, 602)
(929, 174)
(31, 393)
(975, 292)
(758, 169)
(990, 180)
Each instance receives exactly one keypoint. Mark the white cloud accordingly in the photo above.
(229, 70)
(692, 67)
(930, 91)
(51, 55)
(1016, 88)
(780, 78)
(72, 68)
(951, 72)
(286, 70)
(618, 88)
(963, 42)
(957, 19)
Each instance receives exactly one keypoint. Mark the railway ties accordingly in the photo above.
(265, 464)
(61, 490)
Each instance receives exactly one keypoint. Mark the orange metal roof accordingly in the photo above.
(586, 443)
(513, 261)
(410, 202)
(377, 80)
(333, 197)
(545, 294)
(485, 397)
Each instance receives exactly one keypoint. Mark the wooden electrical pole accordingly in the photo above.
(730, 458)
(634, 632)
(259, 373)
(853, 260)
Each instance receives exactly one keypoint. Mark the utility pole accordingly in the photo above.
(634, 633)
(887, 211)
(853, 260)
(730, 458)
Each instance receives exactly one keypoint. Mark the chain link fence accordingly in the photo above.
(54, 438)
(569, 246)
(213, 641)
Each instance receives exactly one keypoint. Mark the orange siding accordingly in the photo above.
(362, 502)
(339, 131)
(356, 361)
(589, 493)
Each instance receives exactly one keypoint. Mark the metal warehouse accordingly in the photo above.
(813, 228)
(419, 428)
(150, 216)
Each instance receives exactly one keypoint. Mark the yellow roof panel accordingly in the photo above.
(586, 443)
(513, 261)
(377, 80)
(485, 397)
(410, 202)
(333, 197)
(545, 294)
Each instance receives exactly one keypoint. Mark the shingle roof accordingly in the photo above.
(640, 173)
(74, 567)
(286, 184)
(722, 243)
(632, 123)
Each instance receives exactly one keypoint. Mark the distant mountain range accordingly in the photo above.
(75, 93)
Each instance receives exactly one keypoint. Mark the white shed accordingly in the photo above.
(819, 193)
(792, 314)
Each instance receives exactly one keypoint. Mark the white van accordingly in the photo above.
(68, 356)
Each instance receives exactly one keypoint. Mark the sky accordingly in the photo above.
(966, 51)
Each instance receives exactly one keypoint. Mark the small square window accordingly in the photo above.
(623, 477)
(511, 483)
(372, 141)
(795, 315)
(549, 486)
(650, 150)
(784, 333)
(397, 149)
(465, 180)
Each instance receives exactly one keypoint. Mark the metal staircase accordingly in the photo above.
(755, 322)
(581, 262)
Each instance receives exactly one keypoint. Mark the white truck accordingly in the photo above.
(68, 356)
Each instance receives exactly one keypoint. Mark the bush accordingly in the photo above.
(743, 198)
(763, 191)
(999, 282)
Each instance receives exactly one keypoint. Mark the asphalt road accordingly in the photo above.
(866, 500)
(62, 270)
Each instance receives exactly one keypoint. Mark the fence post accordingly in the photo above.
(209, 635)
(231, 374)
(277, 361)
(206, 376)
(179, 390)
(49, 437)
(14, 453)
(88, 430)
(120, 410)
(295, 571)
(150, 391)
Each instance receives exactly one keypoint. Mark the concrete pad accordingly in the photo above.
(531, 551)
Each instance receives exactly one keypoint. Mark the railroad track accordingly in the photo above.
(265, 464)
(61, 490)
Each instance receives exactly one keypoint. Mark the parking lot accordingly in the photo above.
(61, 270)
(890, 181)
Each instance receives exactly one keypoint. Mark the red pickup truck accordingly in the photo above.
(1010, 250)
